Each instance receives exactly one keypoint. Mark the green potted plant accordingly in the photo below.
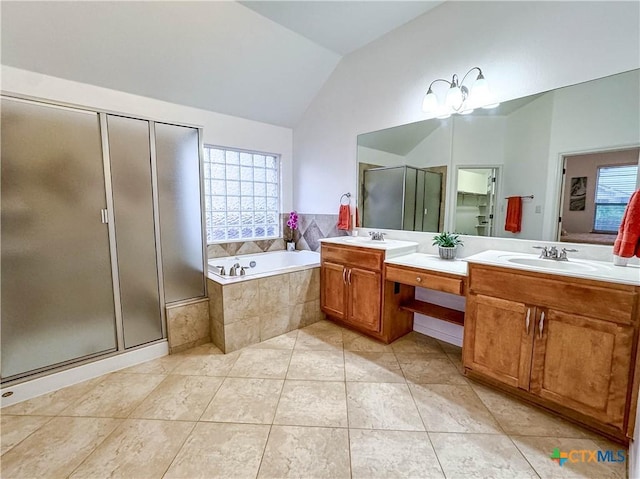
(447, 244)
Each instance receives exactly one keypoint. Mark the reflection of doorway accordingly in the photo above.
(595, 191)
(475, 201)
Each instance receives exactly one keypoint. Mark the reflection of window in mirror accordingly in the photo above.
(596, 189)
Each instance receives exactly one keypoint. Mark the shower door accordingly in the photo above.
(57, 292)
(132, 185)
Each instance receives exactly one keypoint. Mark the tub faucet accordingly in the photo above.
(234, 269)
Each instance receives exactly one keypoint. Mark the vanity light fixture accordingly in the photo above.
(460, 99)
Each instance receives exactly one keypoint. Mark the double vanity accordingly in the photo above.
(560, 334)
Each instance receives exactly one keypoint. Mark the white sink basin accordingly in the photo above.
(550, 264)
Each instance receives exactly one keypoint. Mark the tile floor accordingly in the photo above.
(321, 402)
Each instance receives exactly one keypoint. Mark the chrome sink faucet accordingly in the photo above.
(376, 236)
(553, 253)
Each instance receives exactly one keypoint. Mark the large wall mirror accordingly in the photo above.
(571, 154)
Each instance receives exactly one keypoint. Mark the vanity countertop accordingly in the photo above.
(576, 268)
(391, 247)
(430, 262)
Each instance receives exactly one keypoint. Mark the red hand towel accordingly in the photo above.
(628, 241)
(344, 217)
(513, 222)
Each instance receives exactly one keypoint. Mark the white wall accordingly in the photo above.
(525, 168)
(378, 157)
(522, 47)
(219, 129)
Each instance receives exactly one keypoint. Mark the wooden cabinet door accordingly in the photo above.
(582, 363)
(334, 289)
(498, 339)
(365, 289)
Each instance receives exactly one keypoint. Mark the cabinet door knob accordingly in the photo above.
(419, 279)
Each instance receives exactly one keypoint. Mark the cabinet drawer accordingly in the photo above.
(600, 300)
(361, 257)
(423, 279)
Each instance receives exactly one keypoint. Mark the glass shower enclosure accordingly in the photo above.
(101, 227)
(401, 198)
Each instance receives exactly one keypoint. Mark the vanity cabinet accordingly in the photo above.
(351, 281)
(354, 292)
(566, 343)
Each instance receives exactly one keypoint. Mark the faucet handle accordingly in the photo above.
(222, 270)
(545, 251)
(565, 250)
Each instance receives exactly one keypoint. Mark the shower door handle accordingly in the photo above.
(104, 216)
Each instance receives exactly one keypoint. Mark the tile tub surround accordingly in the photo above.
(259, 413)
(188, 325)
(257, 310)
(311, 229)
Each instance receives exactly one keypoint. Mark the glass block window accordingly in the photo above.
(614, 187)
(242, 194)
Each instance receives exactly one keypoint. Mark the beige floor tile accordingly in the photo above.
(241, 400)
(261, 363)
(416, 343)
(15, 429)
(284, 341)
(116, 396)
(317, 365)
(453, 408)
(538, 450)
(357, 342)
(382, 406)
(57, 448)
(306, 452)
(480, 456)
(312, 403)
(450, 348)
(521, 419)
(372, 367)
(392, 454)
(215, 450)
(207, 349)
(180, 398)
(429, 369)
(320, 336)
(206, 364)
(138, 448)
(163, 365)
(53, 403)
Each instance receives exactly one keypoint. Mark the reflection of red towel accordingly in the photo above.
(344, 217)
(628, 241)
(514, 214)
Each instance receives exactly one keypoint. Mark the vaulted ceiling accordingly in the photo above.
(263, 60)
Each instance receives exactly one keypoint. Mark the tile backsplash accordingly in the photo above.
(311, 229)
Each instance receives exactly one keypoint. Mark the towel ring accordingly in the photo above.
(348, 196)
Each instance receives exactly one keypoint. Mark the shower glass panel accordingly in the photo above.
(178, 166)
(383, 198)
(432, 199)
(57, 294)
(130, 159)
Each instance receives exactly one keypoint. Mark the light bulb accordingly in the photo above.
(430, 102)
(454, 97)
(480, 94)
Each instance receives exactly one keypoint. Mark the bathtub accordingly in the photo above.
(266, 264)
(277, 295)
